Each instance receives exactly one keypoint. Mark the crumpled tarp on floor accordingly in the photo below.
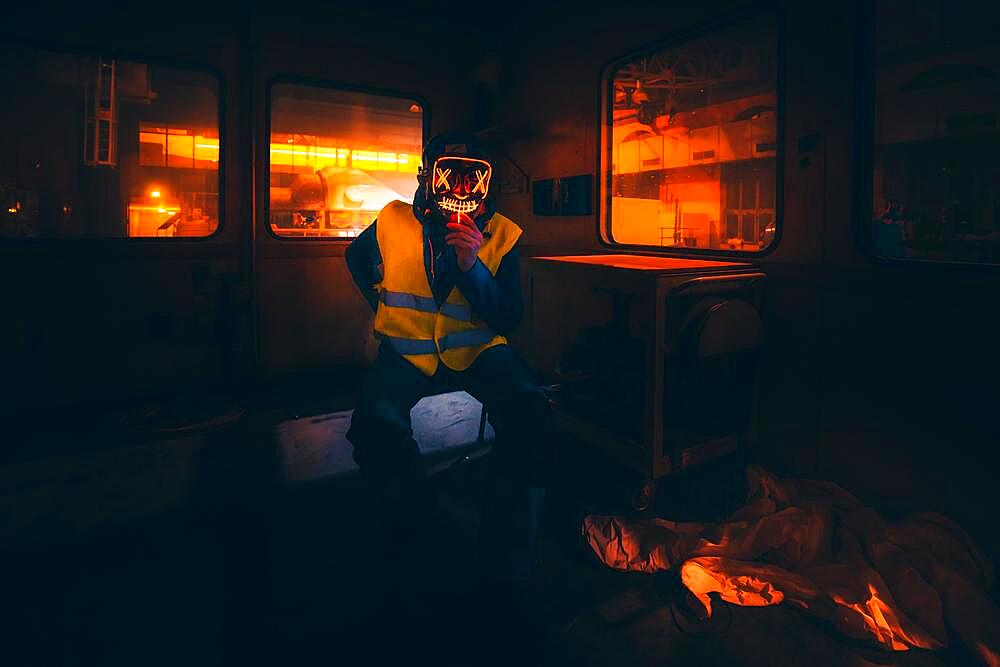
(815, 546)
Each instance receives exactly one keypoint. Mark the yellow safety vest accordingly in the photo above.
(408, 317)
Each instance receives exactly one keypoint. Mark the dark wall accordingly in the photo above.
(103, 319)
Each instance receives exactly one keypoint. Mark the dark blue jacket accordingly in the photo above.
(495, 299)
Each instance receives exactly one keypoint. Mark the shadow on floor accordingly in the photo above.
(299, 573)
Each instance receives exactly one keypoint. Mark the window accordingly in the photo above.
(936, 158)
(103, 147)
(690, 143)
(338, 156)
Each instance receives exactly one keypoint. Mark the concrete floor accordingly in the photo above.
(287, 567)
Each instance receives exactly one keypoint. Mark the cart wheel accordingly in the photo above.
(641, 495)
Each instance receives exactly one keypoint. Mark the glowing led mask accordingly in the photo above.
(460, 184)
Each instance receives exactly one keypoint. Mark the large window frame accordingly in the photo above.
(865, 75)
(330, 85)
(606, 145)
(155, 60)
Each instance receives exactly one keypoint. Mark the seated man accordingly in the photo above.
(443, 279)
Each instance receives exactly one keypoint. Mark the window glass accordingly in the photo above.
(339, 156)
(103, 147)
(691, 142)
(936, 170)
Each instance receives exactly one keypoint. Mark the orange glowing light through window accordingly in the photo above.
(177, 147)
(158, 209)
(337, 157)
(155, 194)
(317, 157)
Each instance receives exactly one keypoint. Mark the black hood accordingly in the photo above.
(458, 143)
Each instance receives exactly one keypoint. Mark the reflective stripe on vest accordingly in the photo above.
(406, 300)
(425, 305)
(466, 339)
(409, 345)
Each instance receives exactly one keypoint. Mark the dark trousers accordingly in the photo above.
(389, 459)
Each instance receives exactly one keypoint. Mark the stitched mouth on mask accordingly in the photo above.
(458, 205)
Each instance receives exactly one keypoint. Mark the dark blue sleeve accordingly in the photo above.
(496, 300)
(364, 261)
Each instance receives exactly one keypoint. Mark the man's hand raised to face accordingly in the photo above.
(467, 239)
